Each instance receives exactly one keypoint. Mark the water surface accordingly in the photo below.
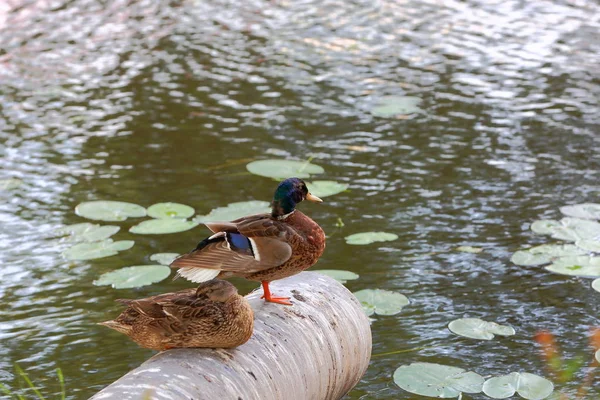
(141, 102)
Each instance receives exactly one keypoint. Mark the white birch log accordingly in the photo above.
(317, 349)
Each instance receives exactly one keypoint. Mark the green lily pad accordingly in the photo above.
(569, 229)
(339, 275)
(585, 210)
(589, 245)
(381, 302)
(91, 251)
(109, 210)
(235, 210)
(545, 254)
(86, 232)
(586, 266)
(280, 169)
(598, 356)
(596, 285)
(164, 258)
(476, 328)
(545, 226)
(390, 106)
(170, 210)
(370, 237)
(133, 277)
(10, 183)
(326, 188)
(435, 380)
(528, 386)
(469, 249)
(162, 226)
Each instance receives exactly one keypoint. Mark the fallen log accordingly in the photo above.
(317, 349)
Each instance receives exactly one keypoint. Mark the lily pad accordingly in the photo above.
(170, 210)
(476, 328)
(162, 226)
(86, 232)
(585, 210)
(586, 266)
(545, 254)
(164, 258)
(528, 386)
(370, 237)
(280, 169)
(435, 380)
(109, 210)
(598, 355)
(469, 249)
(596, 285)
(10, 183)
(589, 245)
(235, 210)
(390, 106)
(90, 251)
(326, 188)
(569, 229)
(381, 302)
(545, 226)
(339, 275)
(133, 277)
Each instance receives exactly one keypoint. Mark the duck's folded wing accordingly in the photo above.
(256, 246)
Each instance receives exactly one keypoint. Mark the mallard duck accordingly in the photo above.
(213, 315)
(261, 247)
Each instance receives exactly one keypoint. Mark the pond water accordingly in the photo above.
(146, 102)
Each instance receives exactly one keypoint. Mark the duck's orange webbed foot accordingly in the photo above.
(273, 299)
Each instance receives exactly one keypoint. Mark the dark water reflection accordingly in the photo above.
(145, 102)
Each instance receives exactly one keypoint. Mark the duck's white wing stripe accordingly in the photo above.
(198, 274)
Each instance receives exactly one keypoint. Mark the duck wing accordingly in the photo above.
(244, 246)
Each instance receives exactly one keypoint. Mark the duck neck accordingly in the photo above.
(283, 205)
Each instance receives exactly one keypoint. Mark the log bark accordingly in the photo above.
(317, 349)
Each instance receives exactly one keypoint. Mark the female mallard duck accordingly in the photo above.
(214, 315)
(261, 247)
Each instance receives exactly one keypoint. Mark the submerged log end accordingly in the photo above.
(319, 348)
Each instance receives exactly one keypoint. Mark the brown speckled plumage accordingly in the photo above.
(213, 315)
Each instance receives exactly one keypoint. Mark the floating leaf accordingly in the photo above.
(569, 229)
(326, 188)
(596, 285)
(90, 251)
(544, 254)
(338, 274)
(164, 258)
(86, 232)
(162, 226)
(381, 302)
(587, 266)
(435, 380)
(10, 183)
(469, 249)
(281, 169)
(528, 386)
(589, 245)
(545, 226)
(132, 277)
(476, 328)
(109, 210)
(598, 355)
(235, 210)
(390, 106)
(170, 210)
(370, 237)
(585, 211)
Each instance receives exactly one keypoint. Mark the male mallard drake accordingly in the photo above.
(261, 247)
(213, 315)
